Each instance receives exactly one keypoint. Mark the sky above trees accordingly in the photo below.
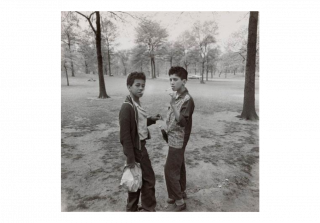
(176, 23)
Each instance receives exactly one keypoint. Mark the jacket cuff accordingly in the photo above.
(131, 160)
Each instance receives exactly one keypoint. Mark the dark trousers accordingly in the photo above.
(175, 173)
(147, 191)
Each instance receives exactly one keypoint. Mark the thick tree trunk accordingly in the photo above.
(66, 74)
(249, 112)
(102, 88)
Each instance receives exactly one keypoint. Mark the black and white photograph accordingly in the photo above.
(159, 111)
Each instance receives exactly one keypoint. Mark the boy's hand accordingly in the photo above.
(134, 171)
(156, 118)
(173, 100)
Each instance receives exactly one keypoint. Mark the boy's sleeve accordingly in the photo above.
(125, 135)
(150, 121)
(186, 112)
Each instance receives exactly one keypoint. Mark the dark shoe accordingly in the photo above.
(175, 208)
(170, 201)
(140, 209)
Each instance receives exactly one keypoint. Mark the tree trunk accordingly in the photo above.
(69, 44)
(106, 70)
(102, 88)
(207, 73)
(151, 70)
(86, 67)
(154, 68)
(202, 72)
(66, 74)
(249, 111)
(109, 66)
(72, 70)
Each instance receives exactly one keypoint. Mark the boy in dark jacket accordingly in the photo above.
(179, 125)
(133, 135)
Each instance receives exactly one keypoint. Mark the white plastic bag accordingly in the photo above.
(132, 178)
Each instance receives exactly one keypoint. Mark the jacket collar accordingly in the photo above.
(129, 99)
(182, 94)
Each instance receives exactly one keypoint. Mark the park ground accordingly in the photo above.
(222, 156)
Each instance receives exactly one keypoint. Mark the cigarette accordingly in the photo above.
(168, 89)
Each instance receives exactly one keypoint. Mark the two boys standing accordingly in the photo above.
(134, 133)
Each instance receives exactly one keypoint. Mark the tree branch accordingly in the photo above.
(64, 41)
(88, 18)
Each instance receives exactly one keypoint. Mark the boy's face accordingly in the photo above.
(176, 82)
(137, 88)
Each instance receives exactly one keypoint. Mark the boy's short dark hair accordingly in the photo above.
(179, 71)
(135, 75)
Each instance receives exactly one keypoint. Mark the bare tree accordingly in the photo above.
(109, 35)
(69, 24)
(203, 36)
(139, 57)
(97, 32)
(152, 35)
(186, 43)
(123, 56)
(172, 52)
(88, 50)
(64, 62)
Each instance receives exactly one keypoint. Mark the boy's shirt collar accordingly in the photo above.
(182, 94)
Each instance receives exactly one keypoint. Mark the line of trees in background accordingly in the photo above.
(195, 49)
(93, 49)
